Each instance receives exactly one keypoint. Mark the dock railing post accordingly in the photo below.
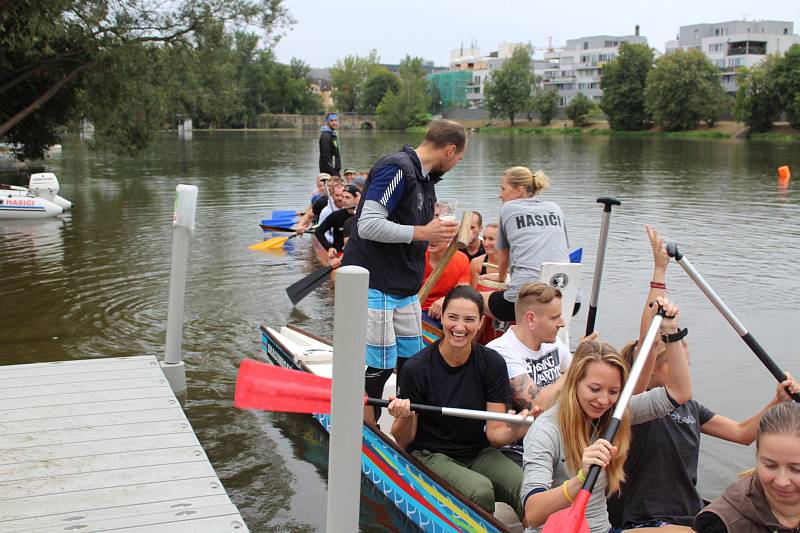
(183, 224)
(347, 399)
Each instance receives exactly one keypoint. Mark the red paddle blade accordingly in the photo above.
(273, 388)
(571, 519)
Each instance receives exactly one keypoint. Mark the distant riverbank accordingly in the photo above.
(722, 130)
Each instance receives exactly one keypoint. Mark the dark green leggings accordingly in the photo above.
(488, 477)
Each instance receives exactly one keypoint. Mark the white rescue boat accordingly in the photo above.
(39, 200)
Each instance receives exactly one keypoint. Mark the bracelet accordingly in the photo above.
(581, 477)
(658, 285)
(675, 337)
(566, 492)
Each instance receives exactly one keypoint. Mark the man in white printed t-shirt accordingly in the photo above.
(536, 358)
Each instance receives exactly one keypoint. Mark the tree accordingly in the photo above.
(546, 105)
(580, 110)
(682, 89)
(348, 77)
(758, 98)
(409, 105)
(787, 82)
(52, 54)
(508, 88)
(623, 83)
(378, 83)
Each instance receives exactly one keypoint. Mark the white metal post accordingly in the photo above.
(347, 399)
(183, 223)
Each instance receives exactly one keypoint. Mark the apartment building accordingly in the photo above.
(577, 68)
(470, 60)
(737, 43)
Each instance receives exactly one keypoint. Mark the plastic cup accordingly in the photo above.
(447, 208)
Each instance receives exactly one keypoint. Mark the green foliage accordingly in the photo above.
(348, 77)
(758, 100)
(508, 89)
(787, 82)
(580, 110)
(379, 82)
(435, 96)
(546, 104)
(682, 89)
(122, 65)
(409, 105)
(623, 83)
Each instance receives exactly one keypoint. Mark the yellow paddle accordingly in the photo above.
(274, 242)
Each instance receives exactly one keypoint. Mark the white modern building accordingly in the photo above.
(737, 43)
(578, 67)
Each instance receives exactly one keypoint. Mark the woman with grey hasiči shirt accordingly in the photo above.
(532, 231)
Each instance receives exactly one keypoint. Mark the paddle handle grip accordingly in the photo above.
(473, 414)
(608, 201)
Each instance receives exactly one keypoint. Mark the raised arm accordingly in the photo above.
(657, 288)
(745, 432)
(679, 378)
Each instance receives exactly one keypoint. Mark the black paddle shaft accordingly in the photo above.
(302, 288)
(747, 337)
(416, 407)
(607, 202)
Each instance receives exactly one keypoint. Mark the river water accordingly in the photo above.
(94, 282)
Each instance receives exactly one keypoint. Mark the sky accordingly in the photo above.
(329, 30)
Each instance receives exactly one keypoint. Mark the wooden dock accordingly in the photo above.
(101, 445)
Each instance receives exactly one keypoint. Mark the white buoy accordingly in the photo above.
(347, 399)
(183, 223)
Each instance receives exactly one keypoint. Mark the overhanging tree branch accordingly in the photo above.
(43, 99)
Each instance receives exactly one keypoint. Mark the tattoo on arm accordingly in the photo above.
(524, 390)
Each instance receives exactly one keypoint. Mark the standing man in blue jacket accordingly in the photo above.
(395, 224)
(329, 160)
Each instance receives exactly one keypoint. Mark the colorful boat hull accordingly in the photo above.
(426, 501)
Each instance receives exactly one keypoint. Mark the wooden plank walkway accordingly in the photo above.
(102, 445)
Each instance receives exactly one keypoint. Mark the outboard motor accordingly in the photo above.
(45, 185)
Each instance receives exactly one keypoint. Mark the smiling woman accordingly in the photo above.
(563, 444)
(769, 498)
(459, 373)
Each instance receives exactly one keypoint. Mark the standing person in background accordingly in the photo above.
(475, 245)
(532, 231)
(329, 158)
(394, 224)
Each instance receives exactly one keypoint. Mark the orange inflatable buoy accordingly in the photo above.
(784, 175)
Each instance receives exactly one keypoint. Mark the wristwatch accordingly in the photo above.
(674, 337)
